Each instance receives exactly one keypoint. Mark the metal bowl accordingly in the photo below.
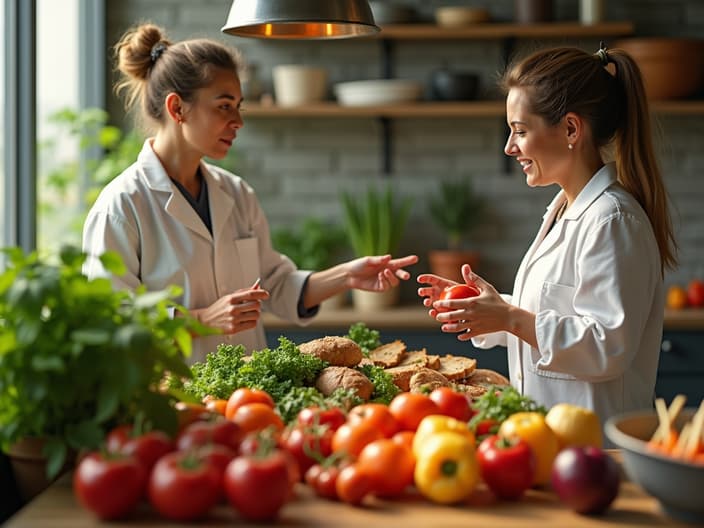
(676, 484)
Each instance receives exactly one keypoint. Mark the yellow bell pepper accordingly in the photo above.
(436, 423)
(532, 427)
(446, 467)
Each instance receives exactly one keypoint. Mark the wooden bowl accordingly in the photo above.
(455, 16)
(672, 68)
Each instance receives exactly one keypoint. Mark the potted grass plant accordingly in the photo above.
(312, 245)
(78, 357)
(375, 223)
(457, 210)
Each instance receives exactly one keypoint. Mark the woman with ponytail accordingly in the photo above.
(584, 322)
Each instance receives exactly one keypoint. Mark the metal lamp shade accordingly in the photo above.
(300, 19)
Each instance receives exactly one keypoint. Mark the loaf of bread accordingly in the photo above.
(333, 378)
(337, 351)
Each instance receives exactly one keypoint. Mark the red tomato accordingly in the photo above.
(452, 403)
(695, 293)
(217, 455)
(109, 485)
(507, 465)
(351, 438)
(333, 417)
(323, 480)
(219, 431)
(352, 485)
(389, 464)
(243, 396)
(459, 291)
(258, 486)
(216, 406)
(409, 408)
(117, 438)
(253, 417)
(377, 414)
(149, 447)
(183, 486)
(307, 445)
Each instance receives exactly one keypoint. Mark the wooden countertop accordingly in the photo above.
(58, 508)
(415, 317)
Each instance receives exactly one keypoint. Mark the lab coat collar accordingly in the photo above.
(602, 180)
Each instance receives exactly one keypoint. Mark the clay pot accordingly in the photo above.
(365, 301)
(672, 68)
(448, 263)
(29, 467)
(533, 11)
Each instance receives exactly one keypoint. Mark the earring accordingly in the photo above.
(570, 146)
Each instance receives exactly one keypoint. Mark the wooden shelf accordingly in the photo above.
(415, 317)
(502, 31)
(453, 109)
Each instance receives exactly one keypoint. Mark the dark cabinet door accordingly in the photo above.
(681, 369)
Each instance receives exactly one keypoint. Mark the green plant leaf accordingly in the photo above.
(112, 262)
(91, 336)
(55, 451)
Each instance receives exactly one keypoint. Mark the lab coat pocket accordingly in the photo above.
(247, 250)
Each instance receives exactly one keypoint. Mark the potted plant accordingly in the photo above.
(375, 226)
(77, 357)
(457, 210)
(312, 245)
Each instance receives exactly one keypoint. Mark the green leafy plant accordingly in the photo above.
(456, 209)
(376, 223)
(77, 356)
(313, 245)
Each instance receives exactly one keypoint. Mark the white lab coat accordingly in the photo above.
(595, 285)
(145, 218)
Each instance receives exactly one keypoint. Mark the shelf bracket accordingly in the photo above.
(386, 145)
(387, 59)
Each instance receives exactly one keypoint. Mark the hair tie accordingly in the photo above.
(157, 50)
(601, 53)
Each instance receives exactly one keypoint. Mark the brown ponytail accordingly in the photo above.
(562, 80)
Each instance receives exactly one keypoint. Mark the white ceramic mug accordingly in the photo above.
(296, 84)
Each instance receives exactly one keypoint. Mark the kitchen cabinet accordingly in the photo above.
(681, 368)
(391, 35)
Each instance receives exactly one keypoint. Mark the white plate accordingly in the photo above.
(377, 92)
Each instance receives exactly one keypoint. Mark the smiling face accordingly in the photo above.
(541, 149)
(212, 120)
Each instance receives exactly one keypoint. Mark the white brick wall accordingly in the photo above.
(299, 166)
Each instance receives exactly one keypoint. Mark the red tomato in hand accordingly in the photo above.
(459, 291)
(452, 403)
(149, 447)
(258, 486)
(507, 465)
(695, 293)
(109, 485)
(184, 486)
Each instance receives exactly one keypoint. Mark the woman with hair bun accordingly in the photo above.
(584, 322)
(177, 220)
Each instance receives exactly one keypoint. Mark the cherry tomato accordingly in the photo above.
(109, 485)
(307, 445)
(376, 414)
(332, 417)
(389, 464)
(258, 486)
(243, 396)
(459, 291)
(351, 438)
(352, 485)
(219, 431)
(409, 408)
(507, 465)
(117, 438)
(452, 403)
(183, 486)
(217, 406)
(149, 447)
(257, 416)
(323, 480)
(695, 293)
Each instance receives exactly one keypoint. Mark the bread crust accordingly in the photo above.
(332, 378)
(426, 379)
(337, 351)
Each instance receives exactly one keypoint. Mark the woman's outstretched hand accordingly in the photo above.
(378, 273)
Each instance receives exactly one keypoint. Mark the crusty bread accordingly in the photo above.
(471, 390)
(456, 367)
(401, 376)
(486, 377)
(415, 357)
(426, 379)
(332, 378)
(337, 351)
(388, 355)
(433, 361)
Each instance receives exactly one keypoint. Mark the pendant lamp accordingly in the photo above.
(300, 19)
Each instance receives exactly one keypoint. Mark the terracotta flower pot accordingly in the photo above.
(29, 467)
(448, 263)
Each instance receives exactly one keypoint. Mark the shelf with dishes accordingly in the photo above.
(430, 109)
